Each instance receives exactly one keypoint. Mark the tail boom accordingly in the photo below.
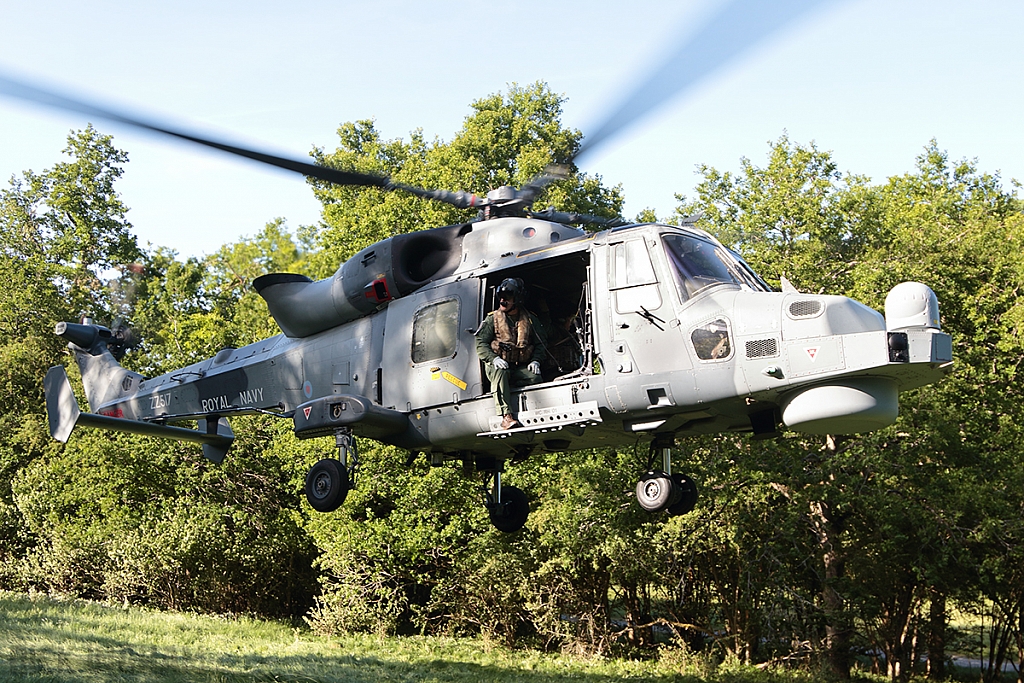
(64, 415)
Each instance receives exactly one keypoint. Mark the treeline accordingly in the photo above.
(804, 551)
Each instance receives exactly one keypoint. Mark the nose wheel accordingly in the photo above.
(329, 480)
(660, 489)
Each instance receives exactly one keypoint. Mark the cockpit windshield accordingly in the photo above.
(698, 264)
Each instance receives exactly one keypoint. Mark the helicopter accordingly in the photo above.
(670, 334)
(655, 332)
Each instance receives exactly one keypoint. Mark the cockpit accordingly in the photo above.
(698, 264)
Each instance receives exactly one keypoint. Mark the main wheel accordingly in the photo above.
(511, 514)
(326, 485)
(655, 491)
(687, 490)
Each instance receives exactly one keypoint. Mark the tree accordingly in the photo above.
(896, 514)
(507, 140)
(958, 230)
(59, 231)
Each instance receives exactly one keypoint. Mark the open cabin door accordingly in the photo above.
(429, 354)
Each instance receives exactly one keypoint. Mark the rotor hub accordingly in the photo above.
(506, 201)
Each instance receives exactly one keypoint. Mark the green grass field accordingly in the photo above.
(47, 639)
(43, 638)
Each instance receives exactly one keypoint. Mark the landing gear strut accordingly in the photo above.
(660, 490)
(506, 505)
(329, 480)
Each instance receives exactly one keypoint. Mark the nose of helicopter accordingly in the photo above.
(917, 354)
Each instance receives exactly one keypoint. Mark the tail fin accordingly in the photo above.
(64, 415)
(62, 409)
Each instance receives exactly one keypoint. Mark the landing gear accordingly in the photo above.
(326, 485)
(329, 480)
(660, 490)
(686, 489)
(510, 514)
(507, 506)
(655, 491)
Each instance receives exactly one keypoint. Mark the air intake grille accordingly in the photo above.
(804, 309)
(762, 348)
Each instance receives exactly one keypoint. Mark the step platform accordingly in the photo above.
(573, 416)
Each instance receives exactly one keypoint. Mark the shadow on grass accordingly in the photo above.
(55, 642)
(122, 664)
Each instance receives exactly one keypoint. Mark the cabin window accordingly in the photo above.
(634, 299)
(697, 265)
(435, 331)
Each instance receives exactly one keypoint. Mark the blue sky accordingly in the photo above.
(871, 81)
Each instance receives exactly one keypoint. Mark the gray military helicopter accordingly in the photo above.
(655, 332)
(669, 334)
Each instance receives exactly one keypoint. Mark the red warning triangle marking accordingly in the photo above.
(306, 411)
(812, 352)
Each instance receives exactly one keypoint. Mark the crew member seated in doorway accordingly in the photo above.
(508, 342)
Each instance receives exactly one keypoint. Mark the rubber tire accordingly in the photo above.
(655, 491)
(326, 485)
(687, 491)
(511, 515)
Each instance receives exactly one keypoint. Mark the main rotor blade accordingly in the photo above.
(20, 89)
(737, 27)
(550, 174)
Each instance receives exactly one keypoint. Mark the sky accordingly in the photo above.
(872, 81)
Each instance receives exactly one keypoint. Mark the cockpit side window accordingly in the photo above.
(634, 283)
(697, 265)
(631, 265)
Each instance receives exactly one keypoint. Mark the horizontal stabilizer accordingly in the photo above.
(64, 415)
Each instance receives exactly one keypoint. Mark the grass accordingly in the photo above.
(47, 639)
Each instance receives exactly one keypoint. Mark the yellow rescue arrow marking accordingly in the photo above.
(454, 380)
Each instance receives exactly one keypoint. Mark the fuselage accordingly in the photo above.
(653, 329)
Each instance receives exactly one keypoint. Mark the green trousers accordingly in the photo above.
(502, 382)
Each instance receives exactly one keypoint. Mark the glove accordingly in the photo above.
(534, 367)
(501, 363)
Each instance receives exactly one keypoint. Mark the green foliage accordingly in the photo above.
(67, 225)
(797, 217)
(801, 551)
(185, 311)
(130, 519)
(59, 230)
(117, 516)
(507, 140)
(905, 513)
(402, 533)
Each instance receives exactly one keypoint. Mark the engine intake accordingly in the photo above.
(379, 273)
